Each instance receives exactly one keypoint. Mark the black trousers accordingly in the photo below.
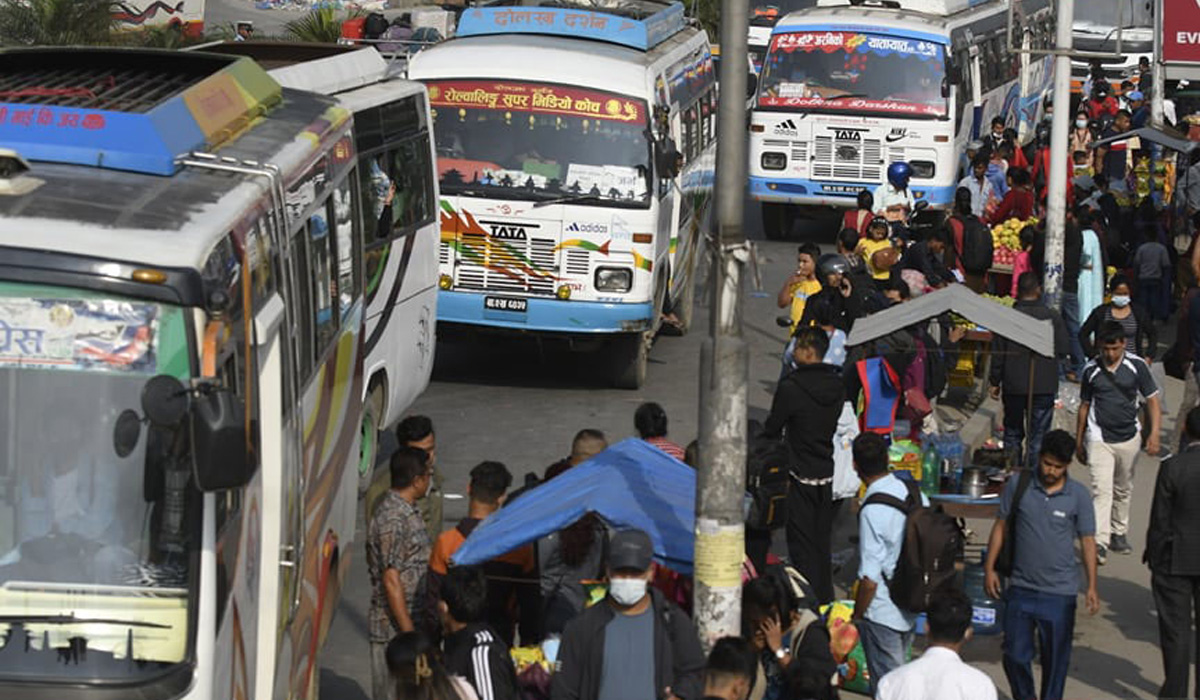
(1177, 599)
(810, 535)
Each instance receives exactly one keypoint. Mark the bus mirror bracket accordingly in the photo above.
(164, 400)
(218, 427)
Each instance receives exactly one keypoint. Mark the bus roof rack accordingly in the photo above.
(135, 110)
(637, 24)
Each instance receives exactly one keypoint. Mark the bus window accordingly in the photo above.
(348, 269)
(321, 275)
(691, 132)
(414, 203)
(303, 333)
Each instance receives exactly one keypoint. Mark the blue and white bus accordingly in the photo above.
(849, 88)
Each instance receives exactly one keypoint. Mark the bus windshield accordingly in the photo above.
(851, 72)
(94, 546)
(537, 141)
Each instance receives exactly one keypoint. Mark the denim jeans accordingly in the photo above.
(1070, 317)
(885, 649)
(1051, 618)
(1014, 426)
(1150, 295)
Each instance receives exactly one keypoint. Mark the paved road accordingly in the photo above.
(520, 405)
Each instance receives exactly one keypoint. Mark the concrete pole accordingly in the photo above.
(1158, 81)
(724, 359)
(1056, 199)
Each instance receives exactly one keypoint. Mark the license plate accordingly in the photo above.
(506, 304)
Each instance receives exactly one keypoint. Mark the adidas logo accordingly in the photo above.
(573, 228)
(788, 124)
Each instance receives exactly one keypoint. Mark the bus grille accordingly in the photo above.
(839, 159)
(578, 262)
(527, 267)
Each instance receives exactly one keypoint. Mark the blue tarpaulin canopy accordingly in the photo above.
(629, 485)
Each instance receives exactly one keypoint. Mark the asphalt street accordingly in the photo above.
(520, 404)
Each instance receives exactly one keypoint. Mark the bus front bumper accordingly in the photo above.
(545, 315)
(833, 194)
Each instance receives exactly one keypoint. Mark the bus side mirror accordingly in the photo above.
(954, 74)
(667, 159)
(751, 84)
(218, 423)
(946, 87)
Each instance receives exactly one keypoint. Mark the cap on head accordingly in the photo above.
(1136, 95)
(630, 549)
(878, 221)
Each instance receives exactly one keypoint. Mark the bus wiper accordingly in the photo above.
(571, 198)
(845, 96)
(73, 620)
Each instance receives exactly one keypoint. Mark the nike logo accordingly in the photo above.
(894, 137)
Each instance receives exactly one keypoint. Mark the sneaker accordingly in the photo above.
(1101, 554)
(1120, 545)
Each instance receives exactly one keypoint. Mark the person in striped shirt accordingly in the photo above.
(650, 420)
(472, 649)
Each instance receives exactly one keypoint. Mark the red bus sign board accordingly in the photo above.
(1181, 35)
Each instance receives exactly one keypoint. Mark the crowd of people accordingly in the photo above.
(441, 631)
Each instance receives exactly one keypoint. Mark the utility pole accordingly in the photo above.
(1157, 71)
(1056, 199)
(724, 359)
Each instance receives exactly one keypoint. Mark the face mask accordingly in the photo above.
(1121, 300)
(1081, 123)
(627, 591)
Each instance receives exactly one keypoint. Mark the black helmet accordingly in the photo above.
(831, 264)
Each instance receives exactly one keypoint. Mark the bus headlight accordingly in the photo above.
(773, 161)
(563, 292)
(923, 169)
(614, 279)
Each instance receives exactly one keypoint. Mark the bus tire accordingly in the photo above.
(629, 353)
(776, 220)
(368, 452)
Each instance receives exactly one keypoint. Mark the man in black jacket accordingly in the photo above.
(1010, 378)
(635, 643)
(806, 408)
(472, 649)
(1173, 553)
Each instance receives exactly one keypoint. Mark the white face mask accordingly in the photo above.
(1121, 300)
(627, 591)
(1081, 123)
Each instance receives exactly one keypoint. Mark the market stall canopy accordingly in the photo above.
(629, 485)
(1164, 137)
(1037, 335)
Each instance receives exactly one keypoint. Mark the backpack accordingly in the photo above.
(933, 542)
(976, 255)
(375, 25)
(767, 480)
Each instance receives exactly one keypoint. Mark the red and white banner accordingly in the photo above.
(1181, 31)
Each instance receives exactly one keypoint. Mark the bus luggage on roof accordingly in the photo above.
(638, 24)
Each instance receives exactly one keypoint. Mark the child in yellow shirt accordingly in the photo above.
(875, 241)
(802, 283)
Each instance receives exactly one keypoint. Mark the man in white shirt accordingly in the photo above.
(978, 184)
(940, 674)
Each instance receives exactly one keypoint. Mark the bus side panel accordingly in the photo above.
(331, 413)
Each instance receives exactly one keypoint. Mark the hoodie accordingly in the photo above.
(806, 408)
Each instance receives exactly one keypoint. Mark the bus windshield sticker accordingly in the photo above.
(78, 335)
(792, 89)
(613, 181)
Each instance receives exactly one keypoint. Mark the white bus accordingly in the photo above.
(847, 89)
(394, 142)
(181, 366)
(1096, 27)
(576, 147)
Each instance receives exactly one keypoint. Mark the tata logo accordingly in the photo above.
(847, 135)
(508, 233)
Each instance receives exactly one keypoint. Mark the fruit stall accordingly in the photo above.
(1006, 243)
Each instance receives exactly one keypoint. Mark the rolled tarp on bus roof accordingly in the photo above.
(1035, 334)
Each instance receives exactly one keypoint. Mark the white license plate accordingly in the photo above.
(506, 304)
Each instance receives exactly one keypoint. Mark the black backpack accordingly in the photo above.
(976, 255)
(375, 25)
(933, 542)
(767, 480)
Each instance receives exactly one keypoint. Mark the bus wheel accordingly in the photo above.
(776, 220)
(629, 353)
(368, 451)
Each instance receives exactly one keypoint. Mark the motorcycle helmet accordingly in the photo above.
(831, 264)
(899, 173)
